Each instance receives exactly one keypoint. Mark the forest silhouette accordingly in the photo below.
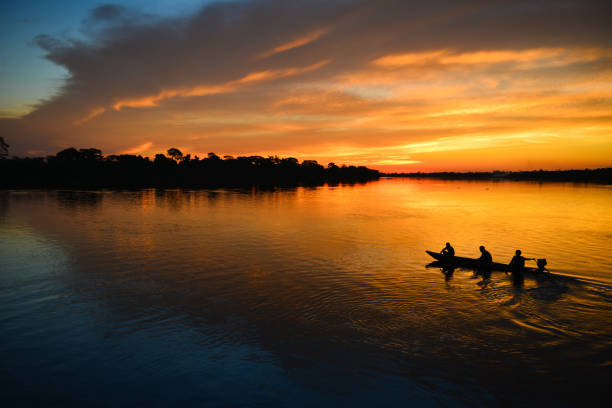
(88, 168)
(601, 175)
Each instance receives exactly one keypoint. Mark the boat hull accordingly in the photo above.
(461, 262)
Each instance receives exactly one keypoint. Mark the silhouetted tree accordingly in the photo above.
(70, 154)
(91, 154)
(160, 158)
(175, 153)
(3, 148)
(290, 161)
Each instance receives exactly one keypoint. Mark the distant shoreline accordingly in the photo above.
(599, 176)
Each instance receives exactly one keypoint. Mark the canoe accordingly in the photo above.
(461, 262)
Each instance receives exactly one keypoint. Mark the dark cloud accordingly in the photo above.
(219, 42)
(48, 43)
(108, 12)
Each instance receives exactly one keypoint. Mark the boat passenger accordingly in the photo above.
(485, 256)
(448, 250)
(517, 264)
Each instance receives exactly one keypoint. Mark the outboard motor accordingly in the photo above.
(541, 262)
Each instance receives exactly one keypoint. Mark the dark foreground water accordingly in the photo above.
(304, 297)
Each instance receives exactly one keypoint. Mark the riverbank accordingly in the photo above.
(600, 176)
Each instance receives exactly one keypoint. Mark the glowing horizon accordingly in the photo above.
(416, 89)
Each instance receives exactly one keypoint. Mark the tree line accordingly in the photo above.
(602, 175)
(88, 168)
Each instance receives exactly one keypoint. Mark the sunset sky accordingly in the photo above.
(393, 85)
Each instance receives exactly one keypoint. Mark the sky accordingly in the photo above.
(395, 85)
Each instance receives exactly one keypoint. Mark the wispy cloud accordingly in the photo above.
(299, 42)
(92, 114)
(526, 58)
(140, 149)
(202, 90)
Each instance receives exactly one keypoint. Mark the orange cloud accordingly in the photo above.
(541, 56)
(152, 100)
(140, 149)
(300, 42)
(94, 112)
(412, 58)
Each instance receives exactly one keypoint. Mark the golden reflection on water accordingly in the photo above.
(356, 227)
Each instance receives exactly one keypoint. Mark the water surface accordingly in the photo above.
(304, 297)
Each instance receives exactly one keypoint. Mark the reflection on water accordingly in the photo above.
(74, 201)
(306, 296)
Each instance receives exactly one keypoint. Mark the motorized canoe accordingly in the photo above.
(461, 262)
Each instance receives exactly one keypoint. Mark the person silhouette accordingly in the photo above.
(448, 250)
(485, 256)
(517, 264)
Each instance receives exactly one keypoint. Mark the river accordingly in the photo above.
(302, 297)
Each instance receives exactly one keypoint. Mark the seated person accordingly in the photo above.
(485, 256)
(448, 250)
